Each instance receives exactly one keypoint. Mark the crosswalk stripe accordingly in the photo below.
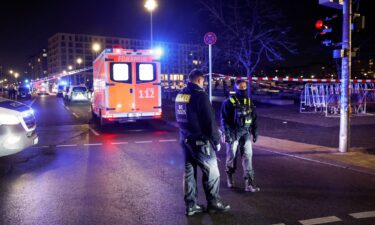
(322, 220)
(362, 215)
(93, 144)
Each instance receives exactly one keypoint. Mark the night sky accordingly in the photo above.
(26, 25)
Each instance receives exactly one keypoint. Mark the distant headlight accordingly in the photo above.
(7, 119)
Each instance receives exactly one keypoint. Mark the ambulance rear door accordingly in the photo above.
(147, 87)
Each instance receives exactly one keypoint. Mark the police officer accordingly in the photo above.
(239, 121)
(199, 138)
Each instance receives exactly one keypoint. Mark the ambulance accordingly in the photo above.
(126, 86)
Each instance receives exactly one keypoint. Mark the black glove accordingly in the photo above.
(228, 139)
(255, 138)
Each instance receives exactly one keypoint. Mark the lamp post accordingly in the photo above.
(151, 6)
(96, 48)
(79, 62)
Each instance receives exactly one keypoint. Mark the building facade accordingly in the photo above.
(37, 65)
(64, 50)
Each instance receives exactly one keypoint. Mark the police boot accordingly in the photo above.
(230, 180)
(218, 207)
(250, 185)
(190, 211)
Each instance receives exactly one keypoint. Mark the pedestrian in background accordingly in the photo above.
(239, 123)
(199, 139)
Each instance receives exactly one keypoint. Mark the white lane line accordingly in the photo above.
(74, 114)
(93, 144)
(119, 143)
(322, 220)
(94, 132)
(278, 224)
(60, 146)
(141, 142)
(32, 102)
(135, 130)
(67, 107)
(170, 140)
(362, 215)
(43, 146)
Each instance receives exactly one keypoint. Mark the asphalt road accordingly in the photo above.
(132, 174)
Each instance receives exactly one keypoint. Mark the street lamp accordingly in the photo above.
(79, 61)
(151, 6)
(96, 48)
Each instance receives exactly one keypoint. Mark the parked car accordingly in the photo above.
(17, 127)
(24, 92)
(77, 93)
(60, 91)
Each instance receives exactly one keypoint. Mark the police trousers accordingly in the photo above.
(241, 144)
(210, 174)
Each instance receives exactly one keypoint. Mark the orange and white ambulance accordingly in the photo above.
(126, 86)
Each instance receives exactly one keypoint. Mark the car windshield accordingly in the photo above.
(79, 89)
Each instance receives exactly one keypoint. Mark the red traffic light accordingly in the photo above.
(319, 24)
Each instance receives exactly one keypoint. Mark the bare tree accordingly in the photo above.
(251, 30)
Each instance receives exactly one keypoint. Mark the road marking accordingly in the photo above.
(94, 131)
(74, 114)
(322, 220)
(32, 102)
(362, 215)
(93, 144)
(135, 130)
(67, 107)
(59, 146)
(141, 142)
(278, 224)
(171, 140)
(43, 146)
(119, 143)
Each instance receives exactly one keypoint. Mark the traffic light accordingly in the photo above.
(325, 30)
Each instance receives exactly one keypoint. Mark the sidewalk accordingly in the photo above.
(283, 130)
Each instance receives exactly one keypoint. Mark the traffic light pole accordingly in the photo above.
(344, 142)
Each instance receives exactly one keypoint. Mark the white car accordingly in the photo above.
(77, 93)
(17, 127)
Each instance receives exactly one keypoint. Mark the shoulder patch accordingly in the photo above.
(183, 98)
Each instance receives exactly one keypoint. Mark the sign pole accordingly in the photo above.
(344, 143)
(210, 39)
(210, 71)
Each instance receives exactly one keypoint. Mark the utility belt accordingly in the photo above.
(199, 144)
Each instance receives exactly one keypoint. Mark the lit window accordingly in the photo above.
(120, 72)
(146, 72)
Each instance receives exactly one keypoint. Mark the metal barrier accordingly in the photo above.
(325, 98)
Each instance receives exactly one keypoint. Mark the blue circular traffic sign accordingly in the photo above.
(210, 38)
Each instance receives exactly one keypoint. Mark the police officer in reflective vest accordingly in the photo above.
(239, 122)
(200, 139)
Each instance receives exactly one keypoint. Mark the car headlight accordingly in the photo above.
(28, 113)
(7, 119)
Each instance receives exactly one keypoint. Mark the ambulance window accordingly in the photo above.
(120, 72)
(146, 72)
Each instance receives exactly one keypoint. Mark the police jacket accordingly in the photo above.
(195, 115)
(229, 115)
